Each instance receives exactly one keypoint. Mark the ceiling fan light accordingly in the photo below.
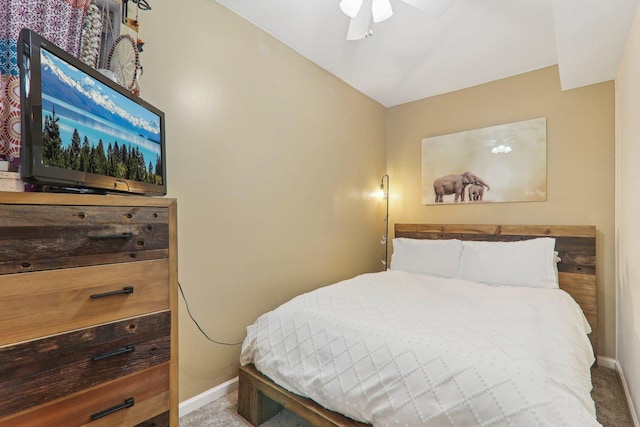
(351, 7)
(381, 10)
(360, 26)
(352, 36)
(357, 31)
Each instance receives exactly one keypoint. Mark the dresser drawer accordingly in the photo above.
(39, 371)
(132, 400)
(38, 304)
(34, 238)
(162, 420)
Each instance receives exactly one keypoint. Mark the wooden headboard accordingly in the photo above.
(576, 246)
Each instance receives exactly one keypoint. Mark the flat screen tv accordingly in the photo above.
(82, 131)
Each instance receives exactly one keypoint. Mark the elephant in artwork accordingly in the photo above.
(455, 184)
(476, 192)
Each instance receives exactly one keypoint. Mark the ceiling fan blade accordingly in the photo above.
(381, 10)
(434, 7)
(351, 7)
(360, 26)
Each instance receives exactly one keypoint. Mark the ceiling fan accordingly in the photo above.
(364, 13)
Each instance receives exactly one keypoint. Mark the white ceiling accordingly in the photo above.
(415, 54)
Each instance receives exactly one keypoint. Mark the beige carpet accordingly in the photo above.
(611, 407)
(611, 403)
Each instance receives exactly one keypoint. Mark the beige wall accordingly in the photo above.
(628, 212)
(580, 162)
(272, 160)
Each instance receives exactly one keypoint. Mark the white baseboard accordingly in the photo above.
(607, 362)
(207, 397)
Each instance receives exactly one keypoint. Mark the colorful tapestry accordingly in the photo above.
(60, 22)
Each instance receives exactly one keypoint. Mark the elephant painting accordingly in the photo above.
(455, 184)
(476, 192)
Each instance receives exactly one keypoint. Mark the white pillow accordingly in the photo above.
(524, 263)
(434, 257)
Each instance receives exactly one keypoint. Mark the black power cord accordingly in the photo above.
(198, 325)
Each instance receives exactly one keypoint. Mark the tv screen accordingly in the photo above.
(82, 131)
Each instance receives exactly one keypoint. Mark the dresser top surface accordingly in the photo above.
(14, 198)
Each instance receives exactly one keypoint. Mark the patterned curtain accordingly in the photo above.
(60, 22)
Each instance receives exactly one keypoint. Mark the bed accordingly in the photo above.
(453, 352)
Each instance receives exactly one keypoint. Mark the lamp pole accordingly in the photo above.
(385, 238)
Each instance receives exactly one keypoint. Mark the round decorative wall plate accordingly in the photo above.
(124, 60)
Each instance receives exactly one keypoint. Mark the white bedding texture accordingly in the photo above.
(404, 349)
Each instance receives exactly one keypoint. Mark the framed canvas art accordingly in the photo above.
(504, 163)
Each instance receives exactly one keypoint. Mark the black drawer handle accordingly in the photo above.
(128, 403)
(125, 290)
(126, 235)
(124, 350)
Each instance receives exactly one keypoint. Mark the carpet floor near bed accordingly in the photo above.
(611, 407)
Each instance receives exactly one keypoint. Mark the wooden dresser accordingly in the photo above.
(88, 310)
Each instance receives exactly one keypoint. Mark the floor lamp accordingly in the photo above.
(384, 192)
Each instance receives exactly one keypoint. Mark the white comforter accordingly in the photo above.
(403, 349)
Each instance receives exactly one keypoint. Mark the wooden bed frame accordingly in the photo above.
(259, 398)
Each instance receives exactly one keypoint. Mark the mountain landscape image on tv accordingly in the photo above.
(89, 127)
